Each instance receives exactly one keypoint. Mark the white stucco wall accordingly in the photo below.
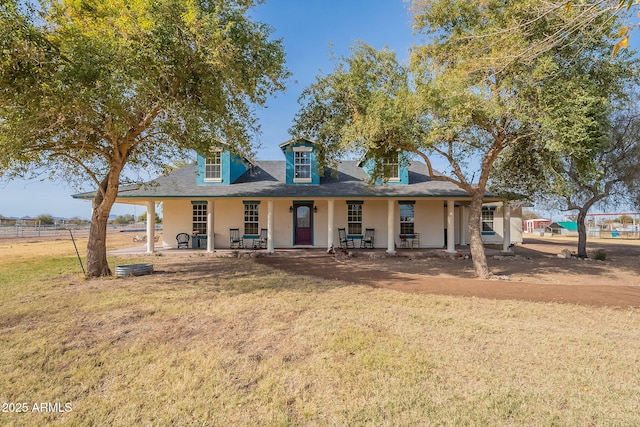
(428, 222)
(176, 218)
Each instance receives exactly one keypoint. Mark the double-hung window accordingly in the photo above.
(251, 216)
(302, 164)
(199, 218)
(391, 168)
(487, 221)
(213, 167)
(354, 217)
(407, 216)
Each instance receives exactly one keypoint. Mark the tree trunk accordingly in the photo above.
(475, 236)
(582, 232)
(97, 265)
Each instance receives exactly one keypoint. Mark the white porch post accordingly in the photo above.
(270, 226)
(451, 236)
(391, 241)
(151, 226)
(210, 228)
(464, 226)
(330, 218)
(506, 226)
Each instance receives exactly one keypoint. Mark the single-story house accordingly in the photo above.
(565, 228)
(536, 225)
(224, 200)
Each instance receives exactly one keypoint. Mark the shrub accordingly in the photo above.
(600, 254)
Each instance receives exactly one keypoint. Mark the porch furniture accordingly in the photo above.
(346, 242)
(183, 240)
(410, 240)
(367, 240)
(199, 241)
(235, 239)
(261, 242)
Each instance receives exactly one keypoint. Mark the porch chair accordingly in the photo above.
(345, 242)
(367, 240)
(261, 242)
(183, 240)
(235, 239)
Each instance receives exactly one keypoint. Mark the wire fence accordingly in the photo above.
(25, 231)
(614, 234)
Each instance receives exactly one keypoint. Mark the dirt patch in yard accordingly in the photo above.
(534, 272)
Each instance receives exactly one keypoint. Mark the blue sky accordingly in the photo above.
(311, 30)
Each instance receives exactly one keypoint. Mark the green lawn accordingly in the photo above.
(212, 341)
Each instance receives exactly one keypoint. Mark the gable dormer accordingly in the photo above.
(301, 162)
(220, 167)
(394, 167)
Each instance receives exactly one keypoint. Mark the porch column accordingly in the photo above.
(151, 226)
(463, 226)
(210, 228)
(330, 218)
(391, 241)
(451, 235)
(270, 226)
(506, 226)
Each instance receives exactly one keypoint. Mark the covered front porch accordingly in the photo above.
(315, 224)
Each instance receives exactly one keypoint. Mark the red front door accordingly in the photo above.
(303, 223)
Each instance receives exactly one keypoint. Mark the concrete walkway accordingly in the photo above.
(297, 252)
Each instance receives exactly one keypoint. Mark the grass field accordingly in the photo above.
(241, 344)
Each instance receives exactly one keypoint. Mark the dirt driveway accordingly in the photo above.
(533, 273)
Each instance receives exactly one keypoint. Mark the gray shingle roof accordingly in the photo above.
(267, 179)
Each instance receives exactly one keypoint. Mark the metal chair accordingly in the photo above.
(345, 241)
(415, 242)
(235, 239)
(261, 242)
(367, 240)
(183, 240)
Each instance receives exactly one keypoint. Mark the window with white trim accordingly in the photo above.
(199, 219)
(487, 221)
(302, 164)
(354, 217)
(390, 167)
(251, 218)
(407, 216)
(213, 167)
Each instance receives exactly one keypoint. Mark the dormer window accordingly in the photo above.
(302, 164)
(213, 167)
(391, 167)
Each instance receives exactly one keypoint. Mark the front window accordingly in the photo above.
(213, 167)
(407, 218)
(487, 221)
(251, 218)
(390, 167)
(302, 165)
(354, 218)
(199, 218)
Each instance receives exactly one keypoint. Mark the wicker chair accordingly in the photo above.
(183, 240)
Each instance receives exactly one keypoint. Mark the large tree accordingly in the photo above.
(603, 167)
(586, 149)
(89, 87)
(469, 93)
